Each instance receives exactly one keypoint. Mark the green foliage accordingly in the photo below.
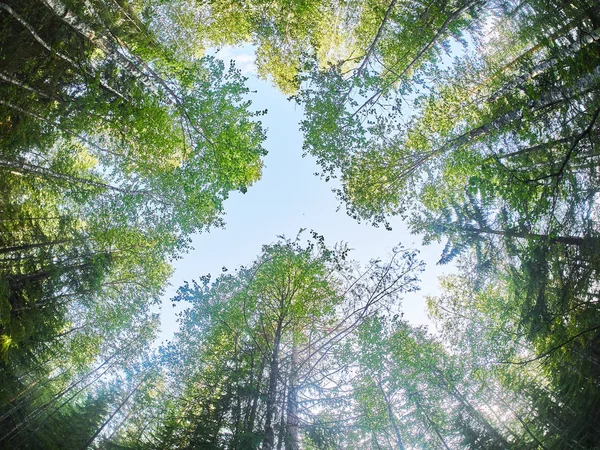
(475, 120)
(256, 343)
(114, 151)
(496, 155)
(110, 161)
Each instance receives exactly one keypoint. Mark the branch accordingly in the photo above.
(376, 39)
(552, 350)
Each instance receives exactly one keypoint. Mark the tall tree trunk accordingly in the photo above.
(71, 397)
(432, 423)
(566, 240)
(24, 167)
(440, 34)
(521, 421)
(282, 420)
(269, 442)
(104, 44)
(25, 422)
(291, 432)
(37, 37)
(545, 65)
(543, 146)
(72, 133)
(249, 423)
(114, 413)
(548, 99)
(18, 248)
(391, 416)
(473, 412)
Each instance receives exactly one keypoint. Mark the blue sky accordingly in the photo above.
(287, 198)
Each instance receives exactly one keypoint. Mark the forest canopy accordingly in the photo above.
(122, 135)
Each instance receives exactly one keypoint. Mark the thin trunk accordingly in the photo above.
(18, 281)
(68, 400)
(25, 401)
(23, 391)
(38, 38)
(18, 248)
(118, 427)
(269, 441)
(35, 412)
(431, 421)
(104, 44)
(126, 59)
(545, 65)
(249, 403)
(24, 167)
(6, 77)
(374, 438)
(237, 410)
(69, 132)
(391, 417)
(439, 34)
(291, 432)
(551, 38)
(137, 66)
(54, 301)
(107, 421)
(376, 38)
(473, 412)
(281, 435)
(521, 421)
(566, 240)
(535, 148)
(249, 428)
(548, 99)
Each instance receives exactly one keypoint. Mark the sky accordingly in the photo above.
(287, 198)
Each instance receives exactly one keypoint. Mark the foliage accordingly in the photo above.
(474, 120)
(258, 344)
(114, 151)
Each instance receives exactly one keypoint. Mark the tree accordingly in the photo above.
(110, 161)
(258, 344)
(498, 156)
(542, 378)
(113, 152)
(408, 391)
(64, 399)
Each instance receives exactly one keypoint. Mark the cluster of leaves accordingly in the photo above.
(258, 350)
(114, 151)
(119, 141)
(498, 155)
(304, 349)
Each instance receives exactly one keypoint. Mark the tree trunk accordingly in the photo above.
(431, 421)
(441, 32)
(566, 240)
(37, 37)
(107, 421)
(473, 412)
(249, 423)
(282, 420)
(269, 442)
(99, 41)
(548, 99)
(22, 166)
(535, 148)
(291, 432)
(18, 248)
(25, 421)
(66, 402)
(391, 417)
